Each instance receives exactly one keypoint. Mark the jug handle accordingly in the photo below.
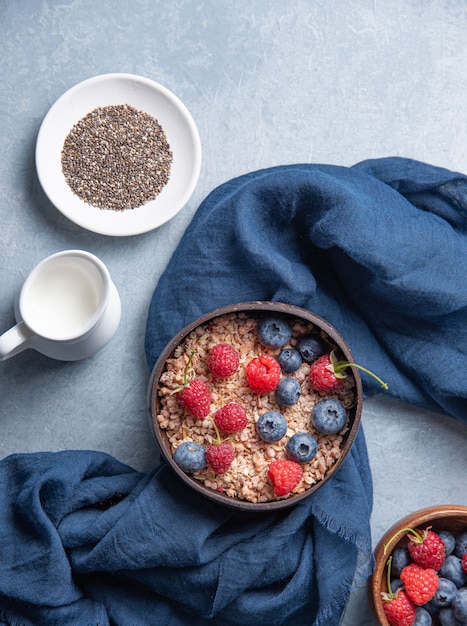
(14, 341)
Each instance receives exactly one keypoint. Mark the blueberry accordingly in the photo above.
(288, 391)
(328, 416)
(274, 331)
(190, 457)
(461, 544)
(446, 618)
(452, 570)
(449, 541)
(289, 360)
(459, 604)
(396, 583)
(301, 448)
(400, 559)
(431, 608)
(271, 426)
(445, 593)
(422, 618)
(311, 347)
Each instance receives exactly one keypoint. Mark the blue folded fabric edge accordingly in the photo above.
(87, 540)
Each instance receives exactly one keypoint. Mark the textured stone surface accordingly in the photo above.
(267, 83)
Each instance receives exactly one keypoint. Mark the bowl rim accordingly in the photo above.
(256, 306)
(419, 518)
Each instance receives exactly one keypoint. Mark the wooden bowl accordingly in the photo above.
(255, 308)
(450, 517)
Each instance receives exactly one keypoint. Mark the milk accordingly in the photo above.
(62, 299)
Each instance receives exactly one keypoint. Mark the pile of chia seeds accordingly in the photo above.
(117, 158)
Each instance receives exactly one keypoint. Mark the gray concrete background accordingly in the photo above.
(268, 83)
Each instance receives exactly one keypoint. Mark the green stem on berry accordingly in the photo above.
(338, 366)
(185, 375)
(218, 438)
(418, 536)
(388, 574)
(187, 367)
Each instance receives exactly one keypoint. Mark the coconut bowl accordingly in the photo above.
(218, 489)
(450, 517)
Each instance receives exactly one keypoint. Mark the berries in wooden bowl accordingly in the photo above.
(420, 577)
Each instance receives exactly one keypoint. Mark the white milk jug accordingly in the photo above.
(68, 309)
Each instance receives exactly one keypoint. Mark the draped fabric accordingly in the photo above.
(380, 251)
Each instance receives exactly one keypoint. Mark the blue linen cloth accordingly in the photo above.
(380, 251)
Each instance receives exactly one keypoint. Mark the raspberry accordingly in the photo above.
(195, 398)
(231, 418)
(284, 476)
(322, 376)
(263, 374)
(426, 548)
(420, 583)
(399, 609)
(220, 456)
(464, 562)
(326, 373)
(223, 360)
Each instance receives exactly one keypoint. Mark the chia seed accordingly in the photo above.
(116, 158)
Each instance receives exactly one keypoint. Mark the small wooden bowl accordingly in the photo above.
(253, 307)
(450, 517)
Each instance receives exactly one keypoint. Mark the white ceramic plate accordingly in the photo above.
(145, 95)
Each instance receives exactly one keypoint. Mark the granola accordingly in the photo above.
(246, 479)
